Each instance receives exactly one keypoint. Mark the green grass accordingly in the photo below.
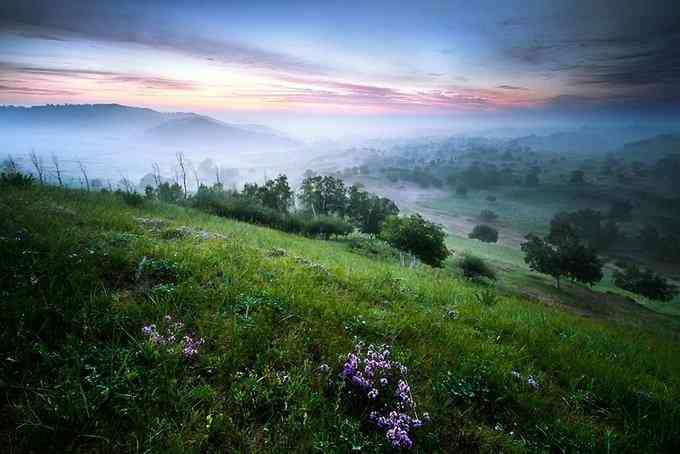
(81, 276)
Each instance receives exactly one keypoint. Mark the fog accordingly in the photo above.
(113, 143)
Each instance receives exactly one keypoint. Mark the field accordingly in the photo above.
(83, 274)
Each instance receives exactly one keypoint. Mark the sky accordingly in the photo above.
(423, 58)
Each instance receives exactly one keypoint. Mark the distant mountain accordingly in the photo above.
(111, 116)
(652, 149)
(201, 130)
(161, 128)
(586, 139)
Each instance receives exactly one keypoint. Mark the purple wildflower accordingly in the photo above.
(190, 346)
(531, 381)
(372, 394)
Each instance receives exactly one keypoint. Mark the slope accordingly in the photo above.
(83, 273)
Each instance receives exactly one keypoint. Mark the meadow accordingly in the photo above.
(161, 328)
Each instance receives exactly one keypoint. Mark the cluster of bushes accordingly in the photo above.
(663, 246)
(420, 177)
(645, 283)
(16, 179)
(243, 208)
(589, 226)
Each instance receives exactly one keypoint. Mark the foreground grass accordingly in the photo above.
(80, 276)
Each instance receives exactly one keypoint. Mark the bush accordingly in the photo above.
(484, 233)
(645, 283)
(16, 179)
(372, 247)
(327, 226)
(475, 268)
(488, 216)
(132, 198)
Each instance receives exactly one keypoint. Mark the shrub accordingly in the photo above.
(484, 233)
(16, 179)
(132, 198)
(371, 247)
(645, 283)
(474, 267)
(488, 216)
(327, 226)
(486, 297)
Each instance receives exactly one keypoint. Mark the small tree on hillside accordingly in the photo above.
(488, 216)
(484, 233)
(418, 237)
(368, 211)
(565, 256)
(645, 283)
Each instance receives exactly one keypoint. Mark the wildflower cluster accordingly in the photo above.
(170, 335)
(382, 382)
(531, 380)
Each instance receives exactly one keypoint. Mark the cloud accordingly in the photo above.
(22, 72)
(130, 24)
(511, 87)
(23, 90)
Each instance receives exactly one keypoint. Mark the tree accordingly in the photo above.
(39, 167)
(645, 283)
(275, 194)
(418, 237)
(621, 209)
(484, 233)
(170, 192)
(83, 170)
(488, 215)
(57, 169)
(181, 165)
(324, 195)
(577, 177)
(562, 256)
(587, 225)
(368, 211)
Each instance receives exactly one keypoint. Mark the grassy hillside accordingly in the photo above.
(82, 275)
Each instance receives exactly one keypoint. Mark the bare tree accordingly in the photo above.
(156, 174)
(127, 184)
(183, 171)
(83, 170)
(197, 177)
(57, 169)
(10, 165)
(38, 165)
